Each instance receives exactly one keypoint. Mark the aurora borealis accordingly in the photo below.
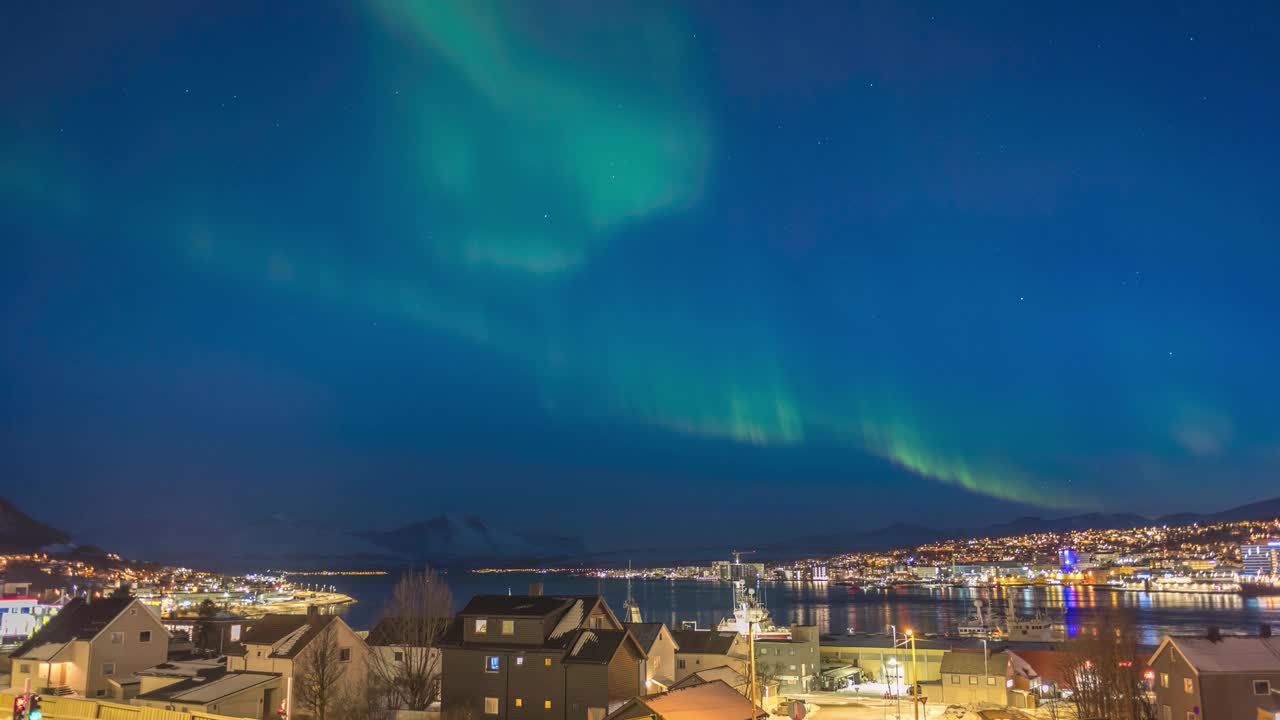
(854, 262)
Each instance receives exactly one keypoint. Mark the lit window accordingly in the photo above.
(519, 702)
(508, 627)
(991, 680)
(955, 679)
(1164, 680)
(546, 704)
(482, 625)
(1187, 686)
(973, 679)
(546, 662)
(519, 660)
(1261, 687)
(491, 706)
(492, 663)
(144, 636)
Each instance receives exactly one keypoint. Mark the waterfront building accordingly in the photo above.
(974, 676)
(704, 649)
(20, 617)
(1215, 676)
(538, 657)
(879, 662)
(87, 645)
(1261, 559)
(728, 571)
(794, 662)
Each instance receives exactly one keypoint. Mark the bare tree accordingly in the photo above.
(318, 673)
(1103, 672)
(406, 655)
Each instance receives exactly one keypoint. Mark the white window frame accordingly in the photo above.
(1266, 684)
(108, 669)
(117, 638)
(491, 706)
(481, 626)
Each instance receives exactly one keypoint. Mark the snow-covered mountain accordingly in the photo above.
(445, 540)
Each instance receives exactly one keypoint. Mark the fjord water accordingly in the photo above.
(835, 609)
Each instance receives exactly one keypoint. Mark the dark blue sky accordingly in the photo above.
(788, 268)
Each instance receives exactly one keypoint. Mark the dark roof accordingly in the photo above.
(515, 605)
(974, 662)
(704, 641)
(401, 630)
(714, 700)
(77, 620)
(561, 615)
(271, 629)
(598, 646)
(293, 643)
(646, 634)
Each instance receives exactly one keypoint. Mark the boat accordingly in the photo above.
(980, 624)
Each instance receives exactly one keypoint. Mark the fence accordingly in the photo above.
(56, 707)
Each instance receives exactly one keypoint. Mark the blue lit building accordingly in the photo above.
(1261, 559)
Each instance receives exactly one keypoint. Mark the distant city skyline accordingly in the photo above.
(588, 269)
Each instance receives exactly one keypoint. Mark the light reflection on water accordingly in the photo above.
(837, 608)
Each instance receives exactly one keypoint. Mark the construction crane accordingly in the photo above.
(737, 555)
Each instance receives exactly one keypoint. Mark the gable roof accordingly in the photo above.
(646, 634)
(599, 646)
(271, 629)
(1230, 654)
(974, 662)
(704, 641)
(78, 620)
(564, 614)
(709, 701)
(724, 673)
(1047, 665)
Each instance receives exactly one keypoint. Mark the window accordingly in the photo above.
(519, 702)
(1261, 687)
(491, 706)
(399, 656)
(344, 655)
(519, 660)
(144, 636)
(792, 668)
(1164, 680)
(1166, 712)
(595, 713)
(546, 662)
(259, 653)
(991, 680)
(482, 626)
(24, 668)
(791, 651)
(1187, 686)
(508, 627)
(973, 679)
(546, 704)
(764, 651)
(100, 693)
(955, 679)
(117, 638)
(108, 668)
(680, 663)
(492, 663)
(1192, 716)
(235, 633)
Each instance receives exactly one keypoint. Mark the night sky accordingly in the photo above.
(733, 271)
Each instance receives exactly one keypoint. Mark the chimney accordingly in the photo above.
(535, 589)
(1264, 630)
(1214, 635)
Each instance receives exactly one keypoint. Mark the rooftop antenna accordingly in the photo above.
(630, 608)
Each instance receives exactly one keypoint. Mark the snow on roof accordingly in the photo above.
(289, 640)
(1230, 654)
(714, 700)
(570, 621)
(586, 637)
(228, 684)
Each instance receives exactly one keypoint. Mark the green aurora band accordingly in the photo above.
(510, 134)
